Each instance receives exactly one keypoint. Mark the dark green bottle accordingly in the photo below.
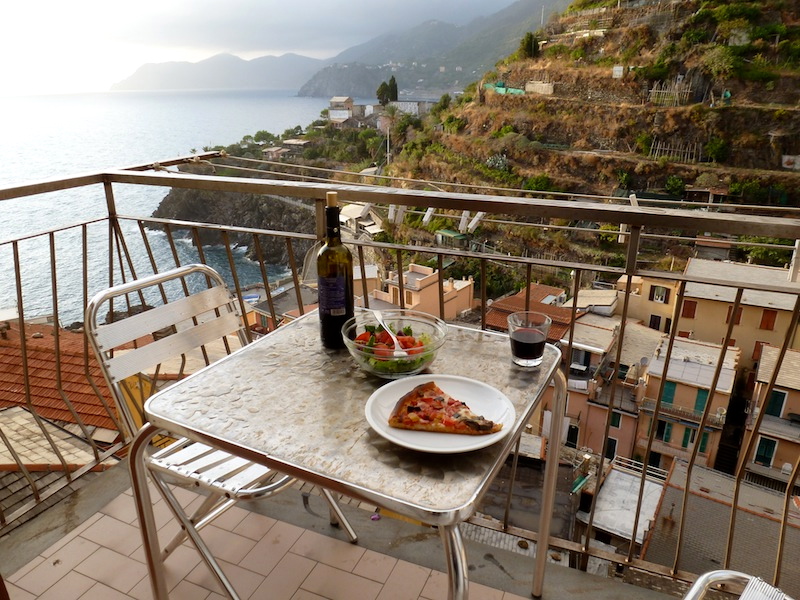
(335, 279)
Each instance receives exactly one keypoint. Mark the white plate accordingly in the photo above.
(483, 399)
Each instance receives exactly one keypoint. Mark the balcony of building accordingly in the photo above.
(75, 494)
(716, 419)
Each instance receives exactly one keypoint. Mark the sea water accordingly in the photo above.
(46, 137)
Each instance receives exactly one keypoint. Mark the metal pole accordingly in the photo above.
(550, 480)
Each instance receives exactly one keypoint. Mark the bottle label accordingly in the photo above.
(332, 296)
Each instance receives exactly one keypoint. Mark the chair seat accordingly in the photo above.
(215, 470)
(758, 589)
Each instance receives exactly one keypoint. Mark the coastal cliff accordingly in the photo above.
(244, 210)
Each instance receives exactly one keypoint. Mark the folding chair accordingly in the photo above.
(747, 586)
(156, 330)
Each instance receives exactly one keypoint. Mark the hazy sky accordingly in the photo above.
(60, 46)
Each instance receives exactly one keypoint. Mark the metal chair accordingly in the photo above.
(752, 588)
(156, 330)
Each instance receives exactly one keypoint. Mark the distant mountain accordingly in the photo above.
(225, 71)
(429, 59)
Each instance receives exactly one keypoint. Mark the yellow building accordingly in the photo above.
(762, 318)
(777, 444)
(651, 301)
(421, 291)
(685, 396)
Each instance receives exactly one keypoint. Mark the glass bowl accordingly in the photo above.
(374, 353)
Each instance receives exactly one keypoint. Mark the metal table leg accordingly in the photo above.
(458, 584)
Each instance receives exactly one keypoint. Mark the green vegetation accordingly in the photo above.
(387, 92)
(759, 255)
(528, 47)
(717, 149)
(675, 185)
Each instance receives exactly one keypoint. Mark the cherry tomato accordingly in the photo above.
(363, 337)
(382, 350)
(407, 341)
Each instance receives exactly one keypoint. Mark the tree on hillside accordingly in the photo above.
(528, 47)
(392, 89)
(383, 93)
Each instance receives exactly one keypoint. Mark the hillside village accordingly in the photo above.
(639, 401)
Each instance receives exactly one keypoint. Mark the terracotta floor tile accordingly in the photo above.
(269, 551)
(243, 580)
(436, 587)
(232, 517)
(305, 595)
(71, 535)
(44, 575)
(123, 508)
(186, 590)
(405, 582)
(336, 584)
(70, 587)
(285, 579)
(102, 592)
(26, 569)
(375, 566)
(330, 551)
(226, 545)
(478, 591)
(254, 526)
(18, 593)
(114, 534)
(112, 569)
(180, 564)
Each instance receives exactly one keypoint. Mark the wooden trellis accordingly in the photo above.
(674, 93)
(678, 152)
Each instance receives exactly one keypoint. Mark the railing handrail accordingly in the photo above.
(649, 404)
(539, 208)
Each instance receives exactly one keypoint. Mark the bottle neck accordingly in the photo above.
(332, 224)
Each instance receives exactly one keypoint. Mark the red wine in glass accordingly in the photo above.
(527, 346)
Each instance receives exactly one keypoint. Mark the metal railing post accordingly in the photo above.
(550, 481)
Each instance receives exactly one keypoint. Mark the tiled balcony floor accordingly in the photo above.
(284, 551)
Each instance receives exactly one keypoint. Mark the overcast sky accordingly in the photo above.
(62, 46)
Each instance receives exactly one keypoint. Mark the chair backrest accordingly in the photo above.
(157, 329)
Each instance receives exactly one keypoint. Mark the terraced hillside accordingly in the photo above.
(650, 96)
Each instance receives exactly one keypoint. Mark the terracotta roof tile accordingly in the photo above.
(43, 376)
(497, 314)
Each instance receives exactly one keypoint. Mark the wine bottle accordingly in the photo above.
(335, 279)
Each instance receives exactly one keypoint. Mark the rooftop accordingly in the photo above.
(708, 517)
(695, 362)
(788, 374)
(594, 333)
(743, 273)
(616, 504)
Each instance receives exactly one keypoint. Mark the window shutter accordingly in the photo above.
(687, 437)
(666, 295)
(703, 441)
(652, 292)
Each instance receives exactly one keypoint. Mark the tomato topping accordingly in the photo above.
(363, 337)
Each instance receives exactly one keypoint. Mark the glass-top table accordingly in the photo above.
(286, 402)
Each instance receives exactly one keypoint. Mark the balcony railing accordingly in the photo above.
(100, 244)
(715, 420)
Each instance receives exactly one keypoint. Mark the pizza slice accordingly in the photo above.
(428, 408)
